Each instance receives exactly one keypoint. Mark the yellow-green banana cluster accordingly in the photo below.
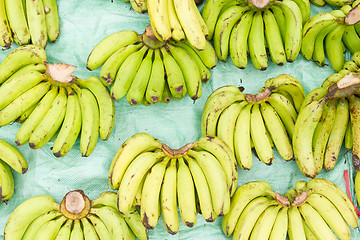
(334, 110)
(28, 22)
(320, 210)
(255, 122)
(334, 3)
(176, 19)
(317, 209)
(242, 28)
(148, 71)
(199, 177)
(76, 218)
(53, 104)
(333, 33)
(10, 157)
(256, 212)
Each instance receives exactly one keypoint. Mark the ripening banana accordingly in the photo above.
(330, 214)
(239, 40)
(191, 22)
(159, 19)
(25, 213)
(274, 39)
(126, 73)
(130, 149)
(37, 23)
(52, 19)
(293, 20)
(70, 127)
(333, 47)
(202, 190)
(5, 31)
(105, 103)
(51, 121)
(133, 176)
(17, 21)
(6, 182)
(249, 217)
(13, 157)
(256, 42)
(186, 194)
(337, 134)
(150, 195)
(168, 198)
(21, 104)
(260, 137)
(303, 134)
(156, 83)
(216, 179)
(354, 104)
(337, 197)
(190, 71)
(215, 104)
(174, 76)
(311, 31)
(27, 128)
(109, 45)
(223, 29)
(242, 138)
(140, 82)
(90, 121)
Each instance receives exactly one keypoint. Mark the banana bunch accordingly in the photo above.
(242, 28)
(332, 33)
(52, 103)
(28, 21)
(317, 209)
(320, 210)
(199, 177)
(76, 218)
(257, 212)
(334, 3)
(334, 110)
(255, 122)
(149, 71)
(178, 19)
(9, 157)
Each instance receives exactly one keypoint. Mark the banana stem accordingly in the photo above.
(176, 153)
(300, 199)
(353, 16)
(75, 205)
(282, 200)
(345, 87)
(149, 39)
(260, 4)
(260, 97)
(60, 72)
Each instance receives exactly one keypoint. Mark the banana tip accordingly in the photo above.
(189, 224)
(57, 154)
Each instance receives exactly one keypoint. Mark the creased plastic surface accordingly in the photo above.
(83, 25)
